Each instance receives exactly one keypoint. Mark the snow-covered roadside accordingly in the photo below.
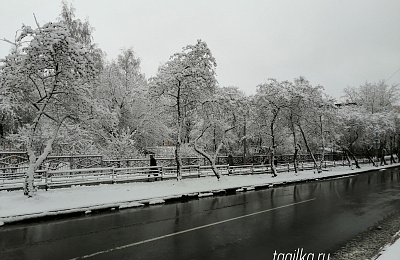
(392, 251)
(15, 206)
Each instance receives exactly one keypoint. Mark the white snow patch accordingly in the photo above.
(240, 190)
(191, 194)
(206, 194)
(88, 211)
(218, 191)
(130, 205)
(156, 201)
(173, 197)
(391, 251)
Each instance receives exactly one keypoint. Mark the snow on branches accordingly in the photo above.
(51, 72)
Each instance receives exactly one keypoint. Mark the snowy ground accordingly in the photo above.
(14, 206)
(391, 251)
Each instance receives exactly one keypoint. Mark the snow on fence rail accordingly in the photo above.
(65, 178)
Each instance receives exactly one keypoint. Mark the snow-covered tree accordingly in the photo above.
(184, 82)
(272, 100)
(357, 130)
(374, 97)
(309, 114)
(215, 120)
(372, 116)
(122, 89)
(293, 116)
(51, 72)
(82, 32)
(353, 123)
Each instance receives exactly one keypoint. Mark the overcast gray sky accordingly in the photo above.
(332, 43)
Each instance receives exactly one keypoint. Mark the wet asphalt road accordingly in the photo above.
(316, 217)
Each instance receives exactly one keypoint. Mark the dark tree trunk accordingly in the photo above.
(355, 160)
(309, 150)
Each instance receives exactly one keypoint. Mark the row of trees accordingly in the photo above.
(58, 91)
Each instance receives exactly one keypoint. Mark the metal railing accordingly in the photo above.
(18, 161)
(65, 178)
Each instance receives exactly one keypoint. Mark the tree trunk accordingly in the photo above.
(295, 161)
(347, 157)
(382, 155)
(273, 168)
(29, 178)
(273, 147)
(34, 162)
(355, 160)
(296, 147)
(211, 160)
(309, 150)
(178, 144)
(323, 144)
(392, 160)
(178, 160)
(370, 158)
